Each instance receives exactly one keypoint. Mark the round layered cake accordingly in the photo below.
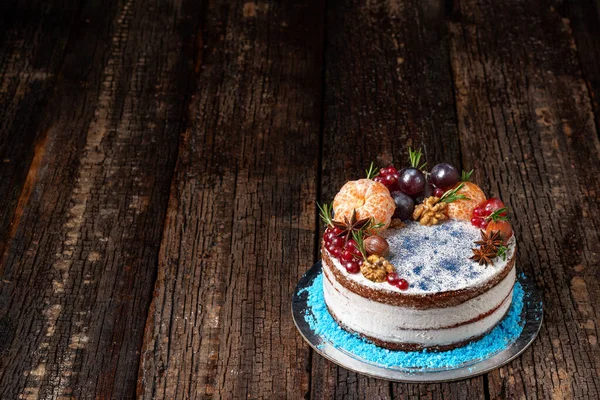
(416, 259)
(450, 301)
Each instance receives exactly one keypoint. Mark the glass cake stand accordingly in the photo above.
(531, 317)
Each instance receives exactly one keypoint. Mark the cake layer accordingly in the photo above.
(388, 294)
(408, 328)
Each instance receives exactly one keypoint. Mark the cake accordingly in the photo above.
(417, 260)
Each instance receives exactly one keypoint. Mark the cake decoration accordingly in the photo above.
(399, 265)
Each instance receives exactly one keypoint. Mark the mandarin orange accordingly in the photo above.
(370, 199)
(463, 209)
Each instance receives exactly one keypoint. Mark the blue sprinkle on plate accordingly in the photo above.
(508, 340)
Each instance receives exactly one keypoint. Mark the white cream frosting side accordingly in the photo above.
(428, 327)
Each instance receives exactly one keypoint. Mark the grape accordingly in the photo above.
(412, 181)
(444, 175)
(404, 205)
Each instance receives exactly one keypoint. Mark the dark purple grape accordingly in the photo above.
(404, 205)
(426, 193)
(444, 175)
(412, 181)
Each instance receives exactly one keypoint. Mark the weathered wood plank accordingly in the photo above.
(79, 271)
(583, 18)
(527, 127)
(241, 219)
(33, 38)
(388, 87)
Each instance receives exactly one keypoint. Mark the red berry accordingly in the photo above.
(352, 267)
(328, 236)
(438, 192)
(402, 284)
(351, 244)
(392, 278)
(378, 178)
(383, 171)
(390, 180)
(479, 222)
(337, 241)
(336, 230)
(492, 205)
(480, 212)
(336, 252)
(391, 170)
(347, 255)
(360, 261)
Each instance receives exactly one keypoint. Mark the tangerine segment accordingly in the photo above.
(370, 199)
(463, 209)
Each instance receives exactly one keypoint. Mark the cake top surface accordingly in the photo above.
(435, 259)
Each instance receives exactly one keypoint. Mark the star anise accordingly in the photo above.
(350, 226)
(484, 255)
(490, 240)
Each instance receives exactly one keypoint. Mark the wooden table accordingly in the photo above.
(160, 163)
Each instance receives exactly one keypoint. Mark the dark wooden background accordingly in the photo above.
(160, 163)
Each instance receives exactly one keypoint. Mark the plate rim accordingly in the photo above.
(532, 313)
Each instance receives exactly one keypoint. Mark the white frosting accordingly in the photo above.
(429, 327)
(433, 260)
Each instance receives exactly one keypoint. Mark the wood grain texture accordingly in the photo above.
(79, 271)
(33, 39)
(583, 19)
(388, 90)
(527, 127)
(241, 219)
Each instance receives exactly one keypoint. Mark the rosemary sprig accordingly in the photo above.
(360, 243)
(372, 172)
(325, 212)
(496, 215)
(502, 252)
(415, 158)
(451, 196)
(466, 176)
(373, 225)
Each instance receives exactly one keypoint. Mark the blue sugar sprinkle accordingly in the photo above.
(423, 286)
(506, 332)
(417, 270)
(450, 265)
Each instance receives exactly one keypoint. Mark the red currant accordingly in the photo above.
(330, 248)
(347, 255)
(391, 170)
(336, 230)
(352, 267)
(492, 205)
(329, 236)
(383, 171)
(336, 252)
(402, 284)
(360, 261)
(392, 278)
(390, 180)
(480, 212)
(378, 178)
(479, 222)
(438, 192)
(337, 241)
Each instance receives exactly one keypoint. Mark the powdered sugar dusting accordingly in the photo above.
(435, 258)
